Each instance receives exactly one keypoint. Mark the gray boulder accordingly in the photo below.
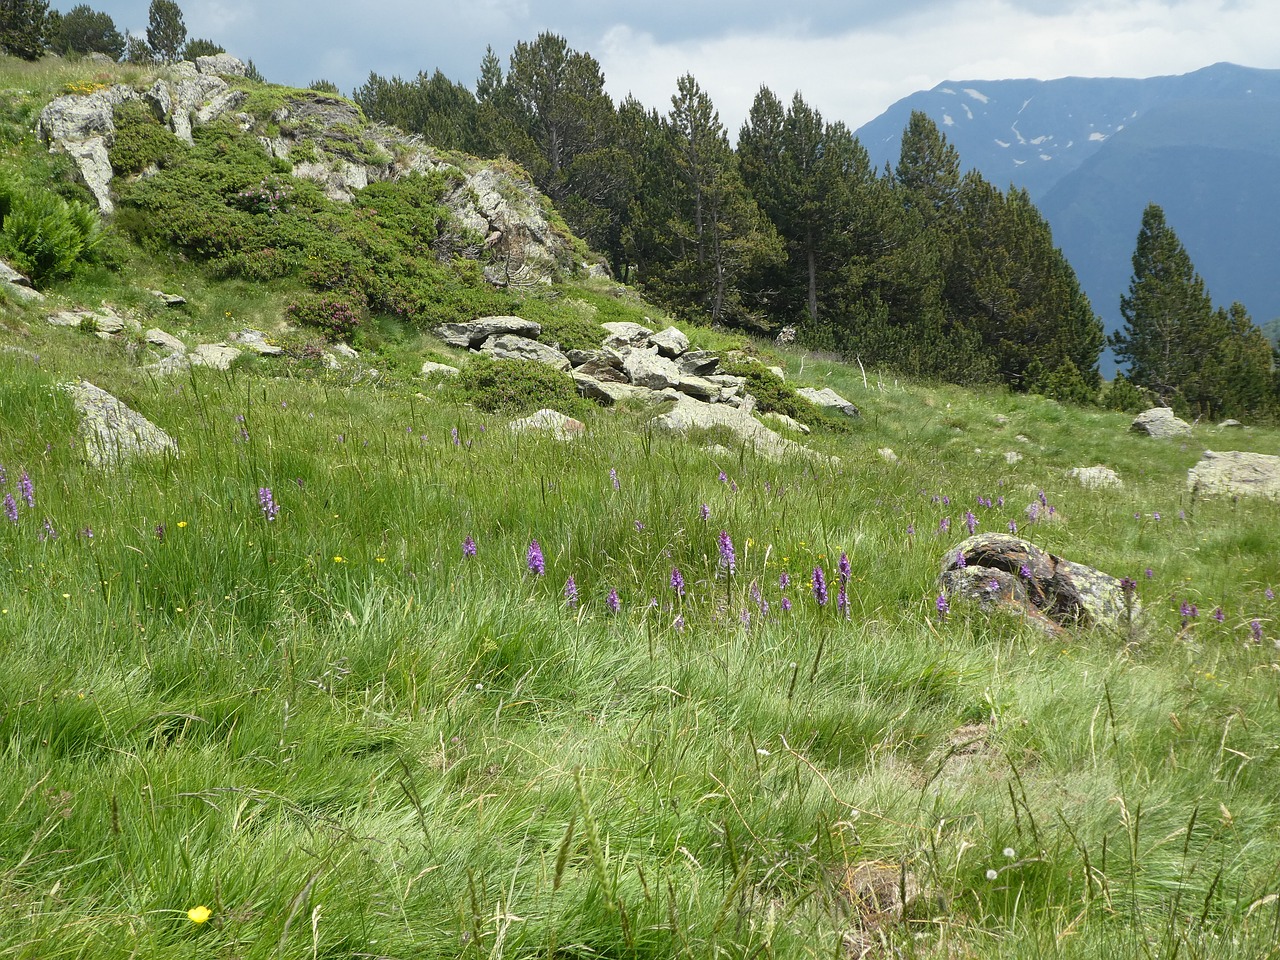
(550, 421)
(626, 334)
(1097, 477)
(1231, 424)
(602, 367)
(699, 363)
(17, 286)
(999, 570)
(168, 299)
(511, 347)
(670, 342)
(1161, 423)
(112, 432)
(608, 392)
(646, 369)
(828, 399)
(79, 117)
(216, 356)
(255, 341)
(159, 338)
(430, 368)
(473, 333)
(689, 414)
(1235, 473)
(220, 65)
(95, 169)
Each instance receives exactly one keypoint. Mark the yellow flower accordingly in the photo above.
(181, 524)
(199, 914)
(339, 559)
(381, 559)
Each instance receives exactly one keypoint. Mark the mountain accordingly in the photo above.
(1092, 152)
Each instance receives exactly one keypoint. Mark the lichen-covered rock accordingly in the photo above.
(112, 432)
(475, 332)
(1097, 477)
(216, 356)
(699, 363)
(624, 333)
(559, 425)
(670, 342)
(689, 414)
(159, 338)
(828, 399)
(431, 368)
(646, 369)
(221, 65)
(1161, 423)
(997, 569)
(1235, 473)
(511, 347)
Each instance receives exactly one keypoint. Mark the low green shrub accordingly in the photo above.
(140, 140)
(337, 315)
(1125, 396)
(517, 387)
(43, 235)
(774, 395)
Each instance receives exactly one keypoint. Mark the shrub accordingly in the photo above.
(1125, 396)
(517, 387)
(140, 140)
(773, 395)
(1064, 383)
(337, 315)
(43, 235)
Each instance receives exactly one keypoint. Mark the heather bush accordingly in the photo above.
(517, 387)
(140, 140)
(337, 315)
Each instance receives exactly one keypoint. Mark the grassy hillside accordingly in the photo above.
(341, 734)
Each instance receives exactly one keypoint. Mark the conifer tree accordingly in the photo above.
(24, 28)
(166, 31)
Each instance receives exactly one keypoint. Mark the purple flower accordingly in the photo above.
(842, 600)
(3, 476)
(48, 533)
(705, 512)
(1033, 512)
(1255, 628)
(728, 559)
(993, 585)
(26, 489)
(571, 592)
(613, 478)
(468, 548)
(745, 617)
(911, 529)
(946, 501)
(677, 581)
(87, 533)
(724, 478)
(537, 565)
(1148, 573)
(268, 503)
(613, 602)
(1128, 585)
(961, 560)
(160, 532)
(845, 569)
(999, 501)
(786, 604)
(1024, 572)
(11, 508)
(784, 580)
(819, 586)
(943, 606)
(1269, 593)
(1218, 615)
(1043, 500)
(944, 525)
(1156, 516)
(1188, 611)
(639, 526)
(678, 623)
(454, 433)
(1013, 526)
(970, 521)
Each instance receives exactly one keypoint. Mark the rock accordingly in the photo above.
(511, 214)
(1096, 477)
(1012, 456)
(1003, 570)
(551, 421)
(626, 334)
(689, 414)
(188, 93)
(1231, 425)
(670, 342)
(646, 369)
(103, 321)
(78, 117)
(1001, 419)
(828, 399)
(17, 286)
(216, 356)
(609, 392)
(579, 357)
(475, 332)
(95, 169)
(255, 341)
(168, 366)
(112, 432)
(1235, 473)
(700, 388)
(430, 368)
(221, 104)
(345, 350)
(1160, 422)
(699, 363)
(221, 64)
(510, 347)
(789, 422)
(168, 299)
(778, 372)
(602, 367)
(887, 455)
(159, 338)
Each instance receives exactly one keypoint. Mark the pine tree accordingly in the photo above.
(85, 30)
(24, 28)
(166, 31)
(1169, 324)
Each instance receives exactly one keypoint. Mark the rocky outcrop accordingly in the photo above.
(475, 332)
(828, 399)
(1235, 473)
(221, 65)
(550, 421)
(1161, 423)
(17, 286)
(113, 433)
(431, 368)
(689, 414)
(1001, 571)
(216, 356)
(511, 347)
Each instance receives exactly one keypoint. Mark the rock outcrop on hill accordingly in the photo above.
(113, 433)
(495, 209)
(1161, 423)
(1235, 473)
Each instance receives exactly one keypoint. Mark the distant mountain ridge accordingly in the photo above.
(1092, 152)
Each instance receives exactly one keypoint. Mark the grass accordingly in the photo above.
(344, 738)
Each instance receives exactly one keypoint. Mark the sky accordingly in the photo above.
(851, 59)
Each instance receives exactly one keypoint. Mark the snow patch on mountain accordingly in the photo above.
(1097, 136)
(980, 97)
(967, 112)
(947, 121)
(1002, 143)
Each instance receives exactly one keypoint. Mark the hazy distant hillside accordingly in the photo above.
(1094, 152)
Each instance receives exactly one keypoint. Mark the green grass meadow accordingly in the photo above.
(344, 738)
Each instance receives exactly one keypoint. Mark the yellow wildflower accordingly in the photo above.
(181, 524)
(199, 914)
(339, 559)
